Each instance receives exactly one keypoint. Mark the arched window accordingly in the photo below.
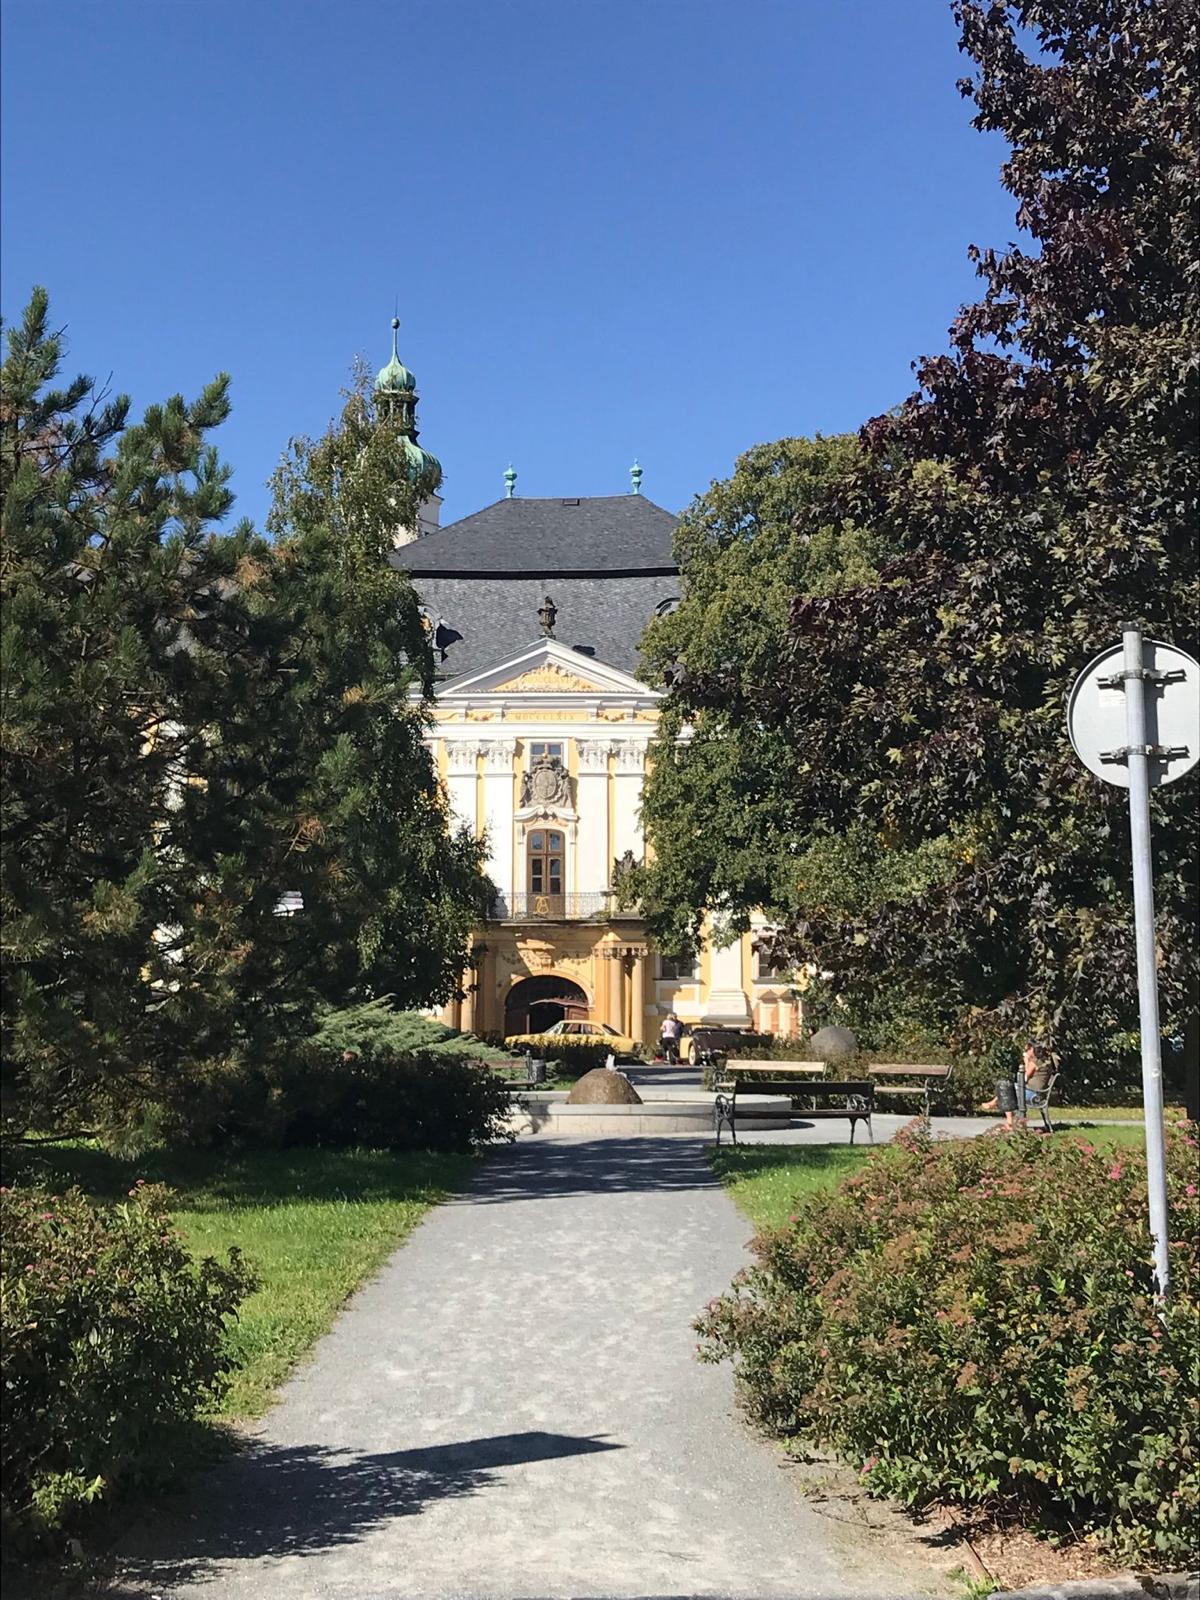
(545, 854)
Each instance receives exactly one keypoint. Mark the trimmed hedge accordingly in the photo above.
(113, 1337)
(340, 1099)
(576, 1055)
(974, 1321)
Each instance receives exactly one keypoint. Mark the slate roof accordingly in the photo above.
(605, 535)
(607, 615)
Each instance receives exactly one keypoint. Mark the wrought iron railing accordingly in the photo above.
(599, 906)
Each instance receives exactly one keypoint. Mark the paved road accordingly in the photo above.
(512, 1410)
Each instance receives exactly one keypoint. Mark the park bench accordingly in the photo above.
(853, 1100)
(1039, 1087)
(800, 1069)
(520, 1075)
(916, 1082)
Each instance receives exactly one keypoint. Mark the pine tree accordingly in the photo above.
(114, 592)
(389, 892)
(196, 723)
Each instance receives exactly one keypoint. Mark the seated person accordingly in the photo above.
(1037, 1075)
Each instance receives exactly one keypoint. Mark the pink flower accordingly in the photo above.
(47, 1216)
(1114, 1171)
(1191, 1189)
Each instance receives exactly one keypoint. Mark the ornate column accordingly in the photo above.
(594, 854)
(726, 999)
(498, 811)
(630, 771)
(460, 781)
(638, 1001)
(470, 992)
(487, 1017)
(616, 988)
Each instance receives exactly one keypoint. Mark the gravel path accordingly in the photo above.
(511, 1409)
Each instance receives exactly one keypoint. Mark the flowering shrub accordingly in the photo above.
(112, 1334)
(974, 1321)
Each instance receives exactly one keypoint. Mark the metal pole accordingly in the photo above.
(1143, 914)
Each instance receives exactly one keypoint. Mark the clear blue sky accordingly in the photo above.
(669, 229)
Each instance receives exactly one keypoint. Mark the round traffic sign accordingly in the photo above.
(1096, 714)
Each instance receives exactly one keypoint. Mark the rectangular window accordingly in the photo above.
(542, 747)
(767, 970)
(545, 859)
(679, 969)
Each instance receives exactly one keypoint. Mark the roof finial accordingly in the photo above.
(635, 475)
(510, 480)
(395, 336)
(547, 613)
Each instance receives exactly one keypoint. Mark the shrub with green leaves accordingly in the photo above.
(573, 1055)
(313, 1094)
(113, 1336)
(975, 1322)
(376, 1027)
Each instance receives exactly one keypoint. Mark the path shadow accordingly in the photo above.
(274, 1500)
(542, 1168)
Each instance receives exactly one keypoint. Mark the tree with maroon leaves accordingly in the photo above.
(1039, 488)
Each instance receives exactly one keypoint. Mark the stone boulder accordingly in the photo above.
(833, 1044)
(602, 1087)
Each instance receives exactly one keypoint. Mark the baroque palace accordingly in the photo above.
(543, 736)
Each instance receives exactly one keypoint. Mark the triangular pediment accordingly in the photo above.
(547, 668)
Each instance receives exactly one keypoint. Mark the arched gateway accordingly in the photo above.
(535, 1004)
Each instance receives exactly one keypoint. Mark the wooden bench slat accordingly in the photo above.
(896, 1069)
(810, 1068)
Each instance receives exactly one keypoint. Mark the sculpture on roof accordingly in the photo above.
(547, 612)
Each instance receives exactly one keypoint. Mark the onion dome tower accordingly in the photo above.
(396, 398)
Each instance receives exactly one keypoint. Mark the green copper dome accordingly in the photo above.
(421, 463)
(395, 378)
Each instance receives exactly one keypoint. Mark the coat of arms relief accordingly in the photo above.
(546, 786)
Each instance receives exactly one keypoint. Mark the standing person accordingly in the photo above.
(1037, 1071)
(669, 1036)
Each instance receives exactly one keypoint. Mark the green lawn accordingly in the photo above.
(767, 1180)
(314, 1223)
(1108, 1113)
(1113, 1133)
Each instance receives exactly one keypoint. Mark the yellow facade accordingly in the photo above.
(590, 727)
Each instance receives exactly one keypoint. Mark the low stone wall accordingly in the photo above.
(547, 1111)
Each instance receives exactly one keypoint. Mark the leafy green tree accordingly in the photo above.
(746, 547)
(1039, 488)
